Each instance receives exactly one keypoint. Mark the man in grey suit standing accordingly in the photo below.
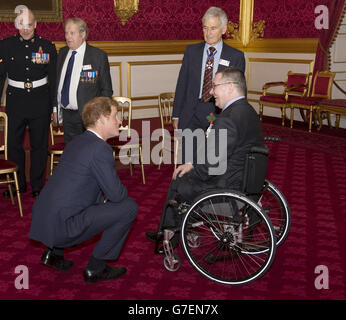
(193, 101)
(83, 73)
(85, 197)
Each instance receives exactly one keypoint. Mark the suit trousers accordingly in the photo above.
(73, 124)
(38, 132)
(184, 189)
(114, 220)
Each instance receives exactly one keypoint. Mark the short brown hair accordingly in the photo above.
(95, 108)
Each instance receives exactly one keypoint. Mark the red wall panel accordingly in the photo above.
(155, 20)
(178, 19)
(288, 18)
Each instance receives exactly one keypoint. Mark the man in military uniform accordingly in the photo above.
(29, 62)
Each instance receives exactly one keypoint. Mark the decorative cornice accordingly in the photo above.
(287, 45)
(161, 47)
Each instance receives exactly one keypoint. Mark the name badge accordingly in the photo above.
(87, 67)
(224, 62)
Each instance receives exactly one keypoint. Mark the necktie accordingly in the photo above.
(208, 75)
(65, 99)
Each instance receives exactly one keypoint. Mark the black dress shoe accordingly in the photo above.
(35, 193)
(108, 273)
(153, 236)
(55, 261)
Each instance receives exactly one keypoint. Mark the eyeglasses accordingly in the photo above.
(213, 85)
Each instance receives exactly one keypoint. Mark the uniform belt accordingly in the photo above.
(27, 84)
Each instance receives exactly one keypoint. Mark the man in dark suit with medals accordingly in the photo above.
(85, 197)
(83, 73)
(29, 62)
(233, 132)
(193, 102)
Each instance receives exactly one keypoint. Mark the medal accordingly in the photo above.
(210, 60)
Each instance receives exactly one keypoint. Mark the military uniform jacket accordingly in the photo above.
(26, 61)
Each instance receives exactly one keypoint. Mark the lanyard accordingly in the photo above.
(211, 56)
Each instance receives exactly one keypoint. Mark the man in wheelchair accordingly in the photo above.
(235, 130)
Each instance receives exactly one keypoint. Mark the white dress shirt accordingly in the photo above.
(75, 77)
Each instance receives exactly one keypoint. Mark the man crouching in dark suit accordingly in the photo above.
(235, 131)
(83, 73)
(84, 197)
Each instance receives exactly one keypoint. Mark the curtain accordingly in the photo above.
(327, 37)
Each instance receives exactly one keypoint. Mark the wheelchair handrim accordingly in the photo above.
(281, 197)
(272, 248)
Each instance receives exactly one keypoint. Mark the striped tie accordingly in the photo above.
(208, 75)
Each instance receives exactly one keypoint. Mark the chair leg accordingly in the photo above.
(130, 163)
(319, 120)
(292, 116)
(51, 163)
(260, 111)
(283, 115)
(310, 119)
(10, 188)
(142, 166)
(18, 194)
(176, 150)
(337, 121)
(329, 119)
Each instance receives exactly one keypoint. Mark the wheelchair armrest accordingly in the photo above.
(260, 149)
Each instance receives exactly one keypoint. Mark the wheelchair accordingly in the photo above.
(231, 236)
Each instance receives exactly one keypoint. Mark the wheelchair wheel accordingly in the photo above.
(237, 241)
(275, 205)
(172, 263)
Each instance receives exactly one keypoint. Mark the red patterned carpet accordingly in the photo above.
(310, 169)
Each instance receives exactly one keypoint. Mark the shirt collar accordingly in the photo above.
(231, 102)
(95, 133)
(217, 46)
(81, 48)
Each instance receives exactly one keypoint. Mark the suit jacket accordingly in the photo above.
(243, 131)
(86, 91)
(189, 80)
(85, 172)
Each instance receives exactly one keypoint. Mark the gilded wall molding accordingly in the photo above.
(120, 75)
(131, 64)
(246, 31)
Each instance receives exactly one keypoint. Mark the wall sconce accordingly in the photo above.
(125, 9)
